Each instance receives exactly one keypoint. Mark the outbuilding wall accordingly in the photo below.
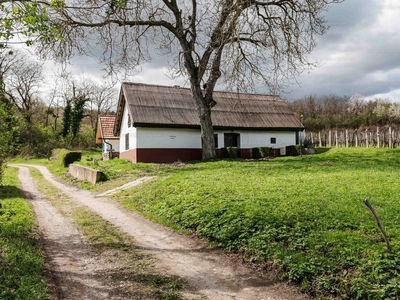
(171, 144)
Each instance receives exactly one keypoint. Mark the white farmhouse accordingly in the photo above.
(160, 123)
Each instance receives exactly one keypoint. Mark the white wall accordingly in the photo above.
(190, 138)
(114, 145)
(250, 139)
(124, 130)
(168, 138)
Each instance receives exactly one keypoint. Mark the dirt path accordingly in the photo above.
(212, 274)
(69, 259)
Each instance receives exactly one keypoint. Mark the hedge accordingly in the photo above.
(230, 152)
(260, 152)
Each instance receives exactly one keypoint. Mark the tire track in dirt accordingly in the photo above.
(208, 271)
(67, 255)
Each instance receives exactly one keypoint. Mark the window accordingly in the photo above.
(127, 141)
(216, 140)
(273, 140)
(129, 120)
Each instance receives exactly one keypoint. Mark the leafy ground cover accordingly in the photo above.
(21, 257)
(303, 215)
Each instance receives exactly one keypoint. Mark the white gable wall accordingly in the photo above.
(131, 131)
(114, 145)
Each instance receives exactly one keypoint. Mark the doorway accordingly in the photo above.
(231, 140)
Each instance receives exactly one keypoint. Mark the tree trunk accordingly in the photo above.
(207, 131)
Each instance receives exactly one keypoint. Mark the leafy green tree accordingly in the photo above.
(77, 114)
(66, 119)
(8, 131)
(74, 112)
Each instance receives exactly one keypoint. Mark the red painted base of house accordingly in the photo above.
(162, 155)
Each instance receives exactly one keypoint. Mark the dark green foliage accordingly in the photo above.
(230, 152)
(300, 149)
(9, 131)
(38, 141)
(293, 150)
(260, 152)
(69, 157)
(74, 113)
(66, 120)
(77, 114)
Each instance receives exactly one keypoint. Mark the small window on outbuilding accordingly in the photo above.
(129, 120)
(216, 140)
(273, 140)
(127, 141)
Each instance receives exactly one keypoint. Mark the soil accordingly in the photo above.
(75, 271)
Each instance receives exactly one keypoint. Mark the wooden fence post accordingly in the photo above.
(366, 138)
(319, 139)
(347, 138)
(356, 138)
(377, 138)
(336, 139)
(390, 137)
(330, 138)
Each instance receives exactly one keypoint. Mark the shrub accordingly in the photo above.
(260, 152)
(37, 141)
(230, 152)
(301, 149)
(69, 157)
(57, 153)
(293, 150)
(264, 151)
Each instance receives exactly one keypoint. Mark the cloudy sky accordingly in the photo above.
(360, 53)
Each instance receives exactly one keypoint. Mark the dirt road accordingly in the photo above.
(210, 273)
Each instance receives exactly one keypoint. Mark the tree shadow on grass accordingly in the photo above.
(9, 191)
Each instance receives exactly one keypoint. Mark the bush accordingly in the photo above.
(69, 157)
(293, 150)
(301, 149)
(260, 152)
(230, 152)
(37, 141)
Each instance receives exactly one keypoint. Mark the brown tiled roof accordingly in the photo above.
(107, 127)
(154, 105)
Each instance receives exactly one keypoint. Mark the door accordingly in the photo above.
(231, 140)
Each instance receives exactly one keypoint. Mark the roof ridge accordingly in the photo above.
(187, 88)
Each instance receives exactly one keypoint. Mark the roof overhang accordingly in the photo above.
(153, 125)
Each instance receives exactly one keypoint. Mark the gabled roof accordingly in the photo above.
(105, 128)
(163, 106)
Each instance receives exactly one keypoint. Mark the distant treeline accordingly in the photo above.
(331, 112)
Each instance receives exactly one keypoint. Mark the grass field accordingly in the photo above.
(303, 215)
(21, 258)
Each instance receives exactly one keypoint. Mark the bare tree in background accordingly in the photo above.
(21, 78)
(242, 42)
(102, 98)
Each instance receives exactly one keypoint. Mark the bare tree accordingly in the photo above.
(242, 42)
(21, 80)
(102, 97)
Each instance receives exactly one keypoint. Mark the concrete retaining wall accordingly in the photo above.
(85, 173)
